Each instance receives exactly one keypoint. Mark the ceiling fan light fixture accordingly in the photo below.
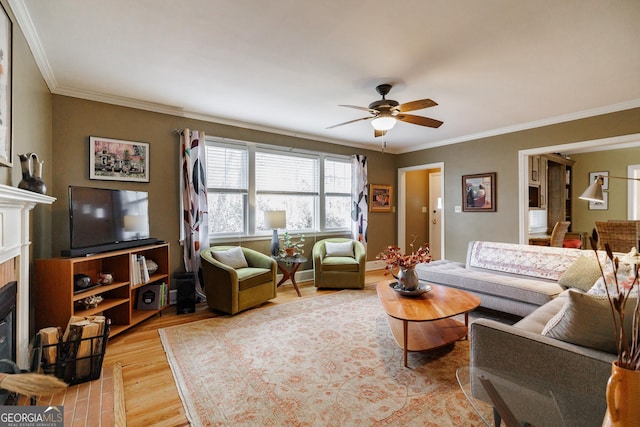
(383, 122)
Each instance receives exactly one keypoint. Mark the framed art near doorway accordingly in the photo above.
(479, 192)
(380, 198)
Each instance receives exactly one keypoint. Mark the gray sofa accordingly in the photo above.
(507, 277)
(576, 375)
(533, 282)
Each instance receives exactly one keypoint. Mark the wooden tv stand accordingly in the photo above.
(55, 301)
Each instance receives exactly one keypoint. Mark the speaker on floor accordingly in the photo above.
(186, 295)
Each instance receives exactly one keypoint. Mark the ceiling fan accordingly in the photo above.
(385, 112)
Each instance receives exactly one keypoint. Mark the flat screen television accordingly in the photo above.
(102, 220)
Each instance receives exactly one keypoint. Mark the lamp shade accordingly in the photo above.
(275, 219)
(593, 193)
(383, 122)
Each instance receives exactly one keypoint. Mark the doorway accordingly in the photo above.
(416, 206)
(613, 143)
(435, 214)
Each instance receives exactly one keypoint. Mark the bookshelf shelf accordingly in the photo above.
(56, 302)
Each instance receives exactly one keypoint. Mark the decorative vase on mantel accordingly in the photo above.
(407, 277)
(623, 398)
(32, 173)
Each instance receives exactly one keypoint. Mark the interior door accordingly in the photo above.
(435, 215)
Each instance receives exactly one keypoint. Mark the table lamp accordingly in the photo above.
(275, 220)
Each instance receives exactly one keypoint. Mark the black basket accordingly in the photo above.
(68, 366)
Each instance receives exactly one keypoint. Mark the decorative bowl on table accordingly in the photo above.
(421, 289)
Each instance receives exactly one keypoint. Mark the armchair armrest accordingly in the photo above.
(260, 260)
(360, 253)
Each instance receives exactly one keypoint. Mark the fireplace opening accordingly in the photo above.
(8, 321)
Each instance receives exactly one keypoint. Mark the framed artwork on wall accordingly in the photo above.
(117, 160)
(600, 206)
(6, 90)
(479, 192)
(380, 198)
(605, 178)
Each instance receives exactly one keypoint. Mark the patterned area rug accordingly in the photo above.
(325, 361)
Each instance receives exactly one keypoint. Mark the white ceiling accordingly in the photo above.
(493, 66)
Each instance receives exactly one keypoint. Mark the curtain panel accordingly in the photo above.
(195, 215)
(359, 198)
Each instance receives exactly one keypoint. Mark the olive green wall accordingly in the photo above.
(75, 120)
(31, 122)
(500, 154)
(613, 161)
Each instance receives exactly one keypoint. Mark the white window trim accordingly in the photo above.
(252, 234)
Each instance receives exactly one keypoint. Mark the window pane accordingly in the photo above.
(337, 177)
(338, 212)
(299, 209)
(280, 172)
(226, 212)
(227, 167)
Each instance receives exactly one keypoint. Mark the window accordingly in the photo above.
(244, 180)
(227, 188)
(288, 182)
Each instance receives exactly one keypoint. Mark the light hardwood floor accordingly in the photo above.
(151, 396)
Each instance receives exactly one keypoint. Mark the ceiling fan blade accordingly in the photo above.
(378, 133)
(359, 108)
(416, 105)
(350, 121)
(419, 120)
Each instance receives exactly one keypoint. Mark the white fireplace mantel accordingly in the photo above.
(15, 207)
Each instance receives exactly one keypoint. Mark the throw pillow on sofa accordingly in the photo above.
(625, 276)
(234, 258)
(586, 320)
(581, 274)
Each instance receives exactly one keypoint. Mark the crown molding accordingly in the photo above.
(31, 35)
(635, 103)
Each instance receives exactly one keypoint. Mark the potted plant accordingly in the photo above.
(290, 247)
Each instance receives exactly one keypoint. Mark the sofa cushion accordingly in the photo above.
(536, 321)
(340, 263)
(339, 249)
(234, 257)
(510, 286)
(581, 274)
(250, 276)
(586, 320)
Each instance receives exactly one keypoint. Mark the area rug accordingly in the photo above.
(324, 361)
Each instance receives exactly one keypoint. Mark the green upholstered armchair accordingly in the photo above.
(339, 270)
(232, 290)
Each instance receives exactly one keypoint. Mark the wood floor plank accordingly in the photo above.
(151, 396)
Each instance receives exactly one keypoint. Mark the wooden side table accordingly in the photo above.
(288, 265)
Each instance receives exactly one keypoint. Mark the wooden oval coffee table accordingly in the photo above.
(430, 316)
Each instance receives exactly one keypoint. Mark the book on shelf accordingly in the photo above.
(150, 297)
(139, 270)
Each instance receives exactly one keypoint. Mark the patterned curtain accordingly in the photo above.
(195, 215)
(359, 198)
